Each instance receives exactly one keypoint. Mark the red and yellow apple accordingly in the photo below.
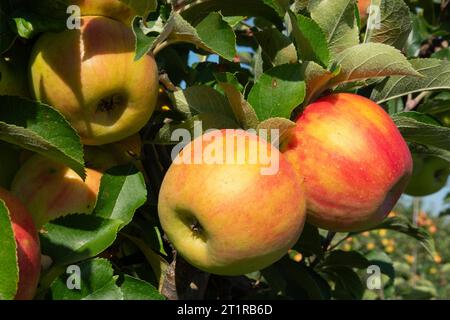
(430, 175)
(353, 160)
(28, 250)
(50, 189)
(114, 9)
(13, 80)
(229, 218)
(91, 77)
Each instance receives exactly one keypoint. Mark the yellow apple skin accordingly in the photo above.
(229, 219)
(28, 249)
(91, 77)
(50, 189)
(354, 162)
(114, 9)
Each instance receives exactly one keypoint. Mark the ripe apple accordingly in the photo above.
(50, 189)
(354, 162)
(430, 175)
(114, 9)
(91, 77)
(228, 218)
(28, 250)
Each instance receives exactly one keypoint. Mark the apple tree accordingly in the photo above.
(92, 94)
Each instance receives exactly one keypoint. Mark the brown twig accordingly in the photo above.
(412, 103)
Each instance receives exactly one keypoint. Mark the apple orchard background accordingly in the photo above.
(208, 52)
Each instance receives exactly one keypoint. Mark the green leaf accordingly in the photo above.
(9, 272)
(42, 129)
(337, 19)
(136, 289)
(211, 34)
(122, 192)
(317, 79)
(310, 40)
(402, 225)
(283, 126)
(414, 129)
(277, 49)
(278, 92)
(436, 76)
(443, 54)
(96, 283)
(243, 111)
(371, 60)
(199, 99)
(382, 260)
(159, 264)
(310, 242)
(145, 39)
(198, 10)
(351, 259)
(348, 285)
(196, 126)
(29, 24)
(389, 23)
(301, 282)
(77, 237)
(218, 35)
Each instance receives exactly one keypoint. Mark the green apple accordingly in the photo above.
(91, 77)
(354, 162)
(430, 175)
(229, 218)
(50, 189)
(28, 249)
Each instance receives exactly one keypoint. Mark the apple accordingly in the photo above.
(13, 82)
(114, 9)
(114, 154)
(50, 189)
(228, 218)
(9, 159)
(91, 77)
(430, 175)
(353, 160)
(28, 250)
